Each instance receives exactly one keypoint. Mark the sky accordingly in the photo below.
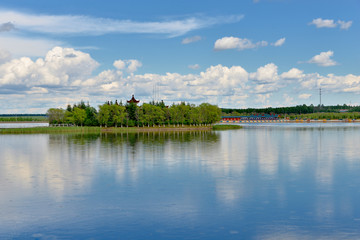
(235, 54)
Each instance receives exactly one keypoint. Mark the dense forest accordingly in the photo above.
(300, 109)
(114, 114)
(22, 117)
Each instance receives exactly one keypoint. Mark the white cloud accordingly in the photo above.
(76, 24)
(119, 64)
(133, 65)
(60, 67)
(292, 74)
(305, 96)
(324, 23)
(349, 83)
(266, 74)
(266, 79)
(194, 67)
(65, 76)
(191, 39)
(279, 42)
(323, 59)
(344, 25)
(130, 65)
(237, 43)
(330, 23)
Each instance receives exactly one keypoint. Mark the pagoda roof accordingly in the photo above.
(133, 100)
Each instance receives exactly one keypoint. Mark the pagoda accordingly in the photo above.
(133, 100)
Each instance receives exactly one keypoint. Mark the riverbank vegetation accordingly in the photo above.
(225, 127)
(131, 115)
(86, 130)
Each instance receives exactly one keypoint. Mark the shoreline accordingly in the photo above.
(294, 121)
(9, 122)
(98, 130)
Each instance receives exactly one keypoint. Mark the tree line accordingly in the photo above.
(115, 114)
(299, 109)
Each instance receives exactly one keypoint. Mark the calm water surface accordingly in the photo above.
(289, 181)
(23, 125)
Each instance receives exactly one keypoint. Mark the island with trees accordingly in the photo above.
(117, 115)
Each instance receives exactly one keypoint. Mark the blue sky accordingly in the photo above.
(235, 54)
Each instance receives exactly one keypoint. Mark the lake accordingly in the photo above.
(274, 181)
(23, 124)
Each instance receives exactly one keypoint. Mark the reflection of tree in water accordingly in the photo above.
(152, 145)
(133, 138)
(78, 139)
(158, 137)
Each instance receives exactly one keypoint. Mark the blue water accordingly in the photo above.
(276, 181)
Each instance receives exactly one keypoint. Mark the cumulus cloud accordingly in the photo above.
(65, 75)
(305, 96)
(266, 79)
(266, 74)
(349, 83)
(191, 39)
(194, 67)
(330, 23)
(76, 24)
(323, 59)
(133, 65)
(60, 67)
(130, 65)
(119, 64)
(237, 43)
(279, 42)
(293, 74)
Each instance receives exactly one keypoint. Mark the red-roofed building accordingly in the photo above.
(133, 100)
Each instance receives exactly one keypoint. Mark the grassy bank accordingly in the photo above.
(40, 130)
(23, 119)
(226, 127)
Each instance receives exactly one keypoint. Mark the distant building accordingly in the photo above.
(259, 117)
(133, 100)
(343, 110)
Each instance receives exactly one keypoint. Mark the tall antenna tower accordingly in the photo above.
(320, 96)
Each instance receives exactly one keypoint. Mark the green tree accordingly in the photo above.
(209, 113)
(118, 114)
(79, 116)
(91, 116)
(131, 109)
(56, 115)
(152, 114)
(104, 114)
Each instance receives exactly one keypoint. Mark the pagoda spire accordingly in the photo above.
(133, 100)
